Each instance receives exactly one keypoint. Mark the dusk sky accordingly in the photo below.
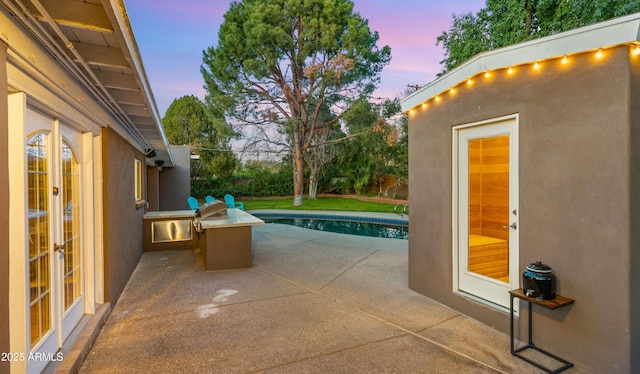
(171, 36)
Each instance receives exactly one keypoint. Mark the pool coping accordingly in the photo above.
(372, 217)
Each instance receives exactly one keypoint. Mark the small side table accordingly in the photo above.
(558, 302)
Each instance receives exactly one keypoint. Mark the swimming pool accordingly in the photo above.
(343, 224)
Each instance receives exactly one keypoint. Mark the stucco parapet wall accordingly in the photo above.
(612, 33)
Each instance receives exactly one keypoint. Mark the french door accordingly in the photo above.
(55, 255)
(486, 209)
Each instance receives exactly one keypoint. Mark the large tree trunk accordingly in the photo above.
(528, 21)
(298, 175)
(313, 185)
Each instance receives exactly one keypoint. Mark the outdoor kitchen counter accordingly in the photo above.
(235, 217)
(169, 230)
(170, 214)
(226, 242)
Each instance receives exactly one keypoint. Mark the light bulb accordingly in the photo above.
(510, 71)
(565, 60)
(636, 51)
(424, 105)
(469, 82)
(437, 98)
(487, 74)
(536, 66)
(599, 53)
(452, 90)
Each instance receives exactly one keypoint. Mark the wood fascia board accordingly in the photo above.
(122, 28)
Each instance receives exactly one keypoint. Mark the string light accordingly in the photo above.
(635, 51)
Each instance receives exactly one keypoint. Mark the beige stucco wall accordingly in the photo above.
(575, 194)
(153, 187)
(122, 219)
(175, 182)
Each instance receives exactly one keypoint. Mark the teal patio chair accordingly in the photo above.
(193, 203)
(209, 199)
(231, 203)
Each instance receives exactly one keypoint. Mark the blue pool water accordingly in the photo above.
(378, 230)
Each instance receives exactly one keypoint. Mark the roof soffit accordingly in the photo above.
(96, 39)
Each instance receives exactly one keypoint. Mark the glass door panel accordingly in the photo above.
(40, 282)
(71, 226)
(488, 243)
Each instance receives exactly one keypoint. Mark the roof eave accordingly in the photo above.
(615, 32)
(123, 27)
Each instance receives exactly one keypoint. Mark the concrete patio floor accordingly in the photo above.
(314, 302)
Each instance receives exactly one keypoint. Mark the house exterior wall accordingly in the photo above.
(634, 224)
(576, 183)
(4, 209)
(175, 183)
(111, 222)
(122, 217)
(153, 187)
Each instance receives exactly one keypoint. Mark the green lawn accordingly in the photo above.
(323, 203)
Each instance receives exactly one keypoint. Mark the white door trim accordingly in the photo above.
(19, 108)
(18, 227)
(457, 205)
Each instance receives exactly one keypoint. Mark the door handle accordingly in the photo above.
(511, 226)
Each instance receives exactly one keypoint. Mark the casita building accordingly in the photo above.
(82, 157)
(527, 153)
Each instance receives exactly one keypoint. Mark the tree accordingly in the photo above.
(280, 62)
(188, 121)
(368, 158)
(318, 157)
(399, 150)
(506, 22)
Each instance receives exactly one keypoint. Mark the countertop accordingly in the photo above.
(163, 214)
(235, 218)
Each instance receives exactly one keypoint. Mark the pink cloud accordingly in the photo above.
(172, 34)
(411, 29)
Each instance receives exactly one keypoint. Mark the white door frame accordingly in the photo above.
(477, 287)
(19, 109)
